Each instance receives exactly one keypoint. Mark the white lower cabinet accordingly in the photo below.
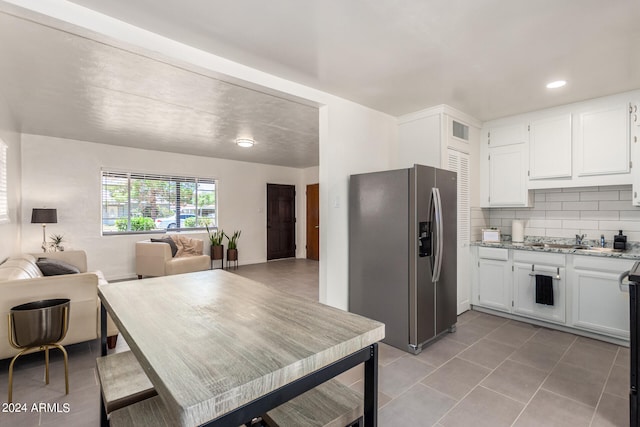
(494, 279)
(524, 292)
(585, 288)
(598, 303)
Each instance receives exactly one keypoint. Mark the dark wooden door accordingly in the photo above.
(281, 221)
(313, 221)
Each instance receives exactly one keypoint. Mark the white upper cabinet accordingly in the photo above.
(550, 147)
(508, 179)
(603, 141)
(584, 144)
(500, 136)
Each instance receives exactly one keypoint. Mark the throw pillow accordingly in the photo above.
(55, 267)
(169, 240)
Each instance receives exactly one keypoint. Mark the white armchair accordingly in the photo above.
(155, 258)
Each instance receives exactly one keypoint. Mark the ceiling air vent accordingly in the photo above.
(460, 131)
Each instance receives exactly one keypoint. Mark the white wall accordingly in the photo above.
(65, 174)
(353, 138)
(10, 232)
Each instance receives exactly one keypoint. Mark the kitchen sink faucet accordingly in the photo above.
(579, 238)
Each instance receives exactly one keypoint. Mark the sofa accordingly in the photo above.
(21, 281)
(171, 254)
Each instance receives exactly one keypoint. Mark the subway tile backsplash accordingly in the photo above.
(563, 213)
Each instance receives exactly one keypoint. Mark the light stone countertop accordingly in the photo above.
(633, 251)
(212, 341)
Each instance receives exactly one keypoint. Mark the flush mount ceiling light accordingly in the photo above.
(556, 84)
(245, 142)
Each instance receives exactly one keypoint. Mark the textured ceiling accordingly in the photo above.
(488, 58)
(59, 84)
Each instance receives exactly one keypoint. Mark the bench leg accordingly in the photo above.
(111, 342)
(104, 422)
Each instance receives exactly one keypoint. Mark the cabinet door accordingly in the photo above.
(635, 150)
(508, 176)
(550, 147)
(524, 292)
(500, 136)
(494, 284)
(603, 143)
(598, 303)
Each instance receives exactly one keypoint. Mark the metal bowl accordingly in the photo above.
(40, 322)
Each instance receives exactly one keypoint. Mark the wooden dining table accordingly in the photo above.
(221, 349)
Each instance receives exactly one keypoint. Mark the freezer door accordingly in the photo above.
(379, 251)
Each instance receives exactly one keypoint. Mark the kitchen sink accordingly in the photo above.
(596, 249)
(569, 246)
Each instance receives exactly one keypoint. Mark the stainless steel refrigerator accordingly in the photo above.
(402, 252)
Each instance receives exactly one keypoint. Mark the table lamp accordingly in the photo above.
(44, 216)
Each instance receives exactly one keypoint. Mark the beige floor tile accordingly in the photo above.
(388, 354)
(613, 411)
(593, 358)
(489, 321)
(469, 333)
(397, 377)
(487, 353)
(623, 357)
(483, 408)
(441, 351)
(618, 382)
(553, 338)
(419, 405)
(467, 316)
(550, 410)
(515, 380)
(575, 383)
(538, 355)
(456, 378)
(513, 333)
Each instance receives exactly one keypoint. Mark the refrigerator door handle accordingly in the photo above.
(437, 211)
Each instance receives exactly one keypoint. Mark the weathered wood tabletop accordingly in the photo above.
(213, 341)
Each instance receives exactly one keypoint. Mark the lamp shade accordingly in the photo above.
(44, 216)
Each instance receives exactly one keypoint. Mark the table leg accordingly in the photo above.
(103, 330)
(371, 388)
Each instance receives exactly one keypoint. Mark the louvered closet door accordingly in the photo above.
(459, 162)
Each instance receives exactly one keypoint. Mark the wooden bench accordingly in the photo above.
(123, 381)
(329, 405)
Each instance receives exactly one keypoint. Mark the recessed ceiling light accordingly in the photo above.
(556, 84)
(245, 142)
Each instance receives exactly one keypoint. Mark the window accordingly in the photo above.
(135, 202)
(4, 201)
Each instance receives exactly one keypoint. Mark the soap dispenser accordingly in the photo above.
(620, 241)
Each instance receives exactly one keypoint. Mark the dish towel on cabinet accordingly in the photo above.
(544, 289)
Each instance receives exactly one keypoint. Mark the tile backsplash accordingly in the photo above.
(569, 211)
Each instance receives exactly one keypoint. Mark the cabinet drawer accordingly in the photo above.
(546, 258)
(586, 262)
(499, 254)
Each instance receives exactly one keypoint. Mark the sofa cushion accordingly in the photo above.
(169, 240)
(19, 267)
(187, 246)
(55, 267)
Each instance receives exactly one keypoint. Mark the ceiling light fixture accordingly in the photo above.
(245, 142)
(556, 84)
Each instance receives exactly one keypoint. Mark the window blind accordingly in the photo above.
(4, 200)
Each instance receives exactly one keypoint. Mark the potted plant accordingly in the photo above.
(56, 240)
(217, 249)
(232, 251)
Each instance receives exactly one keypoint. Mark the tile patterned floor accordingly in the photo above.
(490, 372)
